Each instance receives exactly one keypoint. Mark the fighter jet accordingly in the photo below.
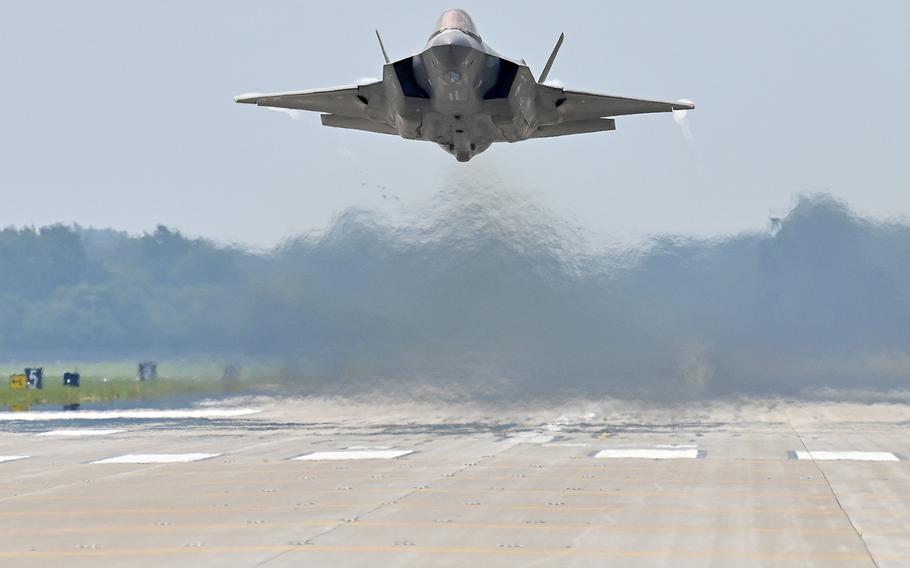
(464, 96)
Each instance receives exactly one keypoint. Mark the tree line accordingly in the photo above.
(484, 292)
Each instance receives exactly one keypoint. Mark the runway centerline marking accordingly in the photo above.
(846, 456)
(648, 453)
(142, 414)
(156, 458)
(4, 459)
(80, 432)
(353, 455)
(528, 438)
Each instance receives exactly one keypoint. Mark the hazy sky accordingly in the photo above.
(120, 114)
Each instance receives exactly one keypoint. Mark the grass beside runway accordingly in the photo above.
(110, 382)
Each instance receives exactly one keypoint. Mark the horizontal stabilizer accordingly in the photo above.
(575, 127)
(354, 123)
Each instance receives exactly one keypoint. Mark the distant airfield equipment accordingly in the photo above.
(35, 377)
(231, 373)
(463, 96)
(71, 379)
(147, 371)
(18, 381)
(776, 224)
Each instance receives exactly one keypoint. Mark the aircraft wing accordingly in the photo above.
(351, 101)
(580, 105)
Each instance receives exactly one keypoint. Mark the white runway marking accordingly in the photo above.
(79, 432)
(354, 455)
(529, 438)
(12, 458)
(649, 453)
(37, 416)
(158, 458)
(850, 456)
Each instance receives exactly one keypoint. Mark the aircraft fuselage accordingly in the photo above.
(463, 96)
(457, 71)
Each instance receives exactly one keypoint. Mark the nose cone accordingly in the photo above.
(452, 56)
(452, 37)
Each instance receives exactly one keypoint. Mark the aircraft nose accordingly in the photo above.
(452, 56)
(451, 38)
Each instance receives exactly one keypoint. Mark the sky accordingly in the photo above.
(121, 114)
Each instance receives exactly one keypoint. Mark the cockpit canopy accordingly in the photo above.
(456, 20)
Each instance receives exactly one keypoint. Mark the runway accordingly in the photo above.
(761, 483)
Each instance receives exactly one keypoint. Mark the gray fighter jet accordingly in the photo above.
(464, 96)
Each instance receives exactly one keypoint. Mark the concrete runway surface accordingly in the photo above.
(763, 483)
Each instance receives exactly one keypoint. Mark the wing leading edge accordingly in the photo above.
(580, 112)
(356, 107)
(345, 101)
(581, 105)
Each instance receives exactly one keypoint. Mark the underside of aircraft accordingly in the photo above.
(463, 96)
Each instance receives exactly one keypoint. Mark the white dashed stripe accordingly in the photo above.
(528, 438)
(79, 432)
(12, 458)
(649, 453)
(850, 456)
(354, 455)
(158, 458)
(128, 414)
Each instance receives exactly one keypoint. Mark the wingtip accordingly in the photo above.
(247, 98)
(684, 104)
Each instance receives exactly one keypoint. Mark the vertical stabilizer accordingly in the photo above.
(382, 47)
(546, 69)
